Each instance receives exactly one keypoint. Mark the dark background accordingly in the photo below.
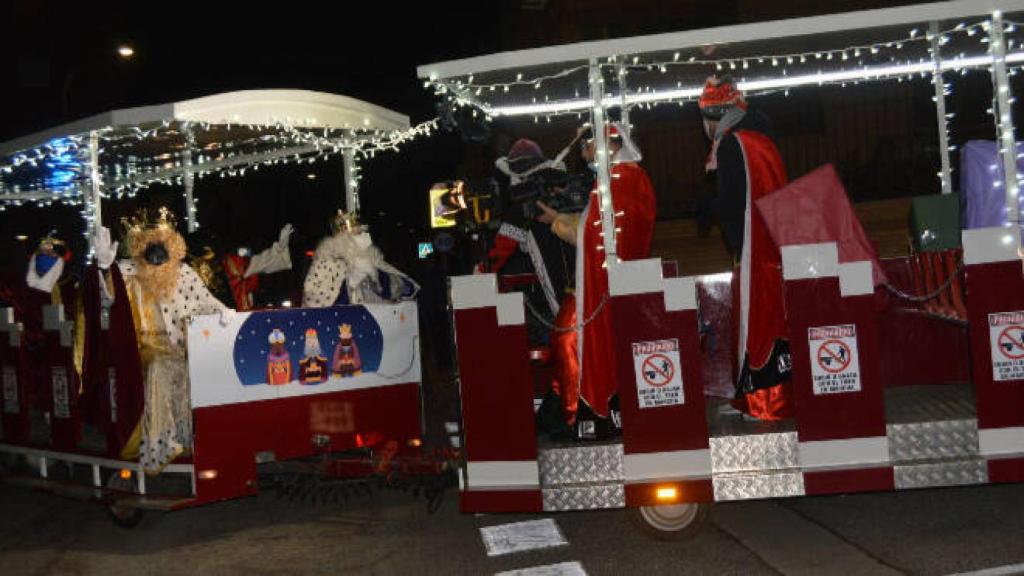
(61, 65)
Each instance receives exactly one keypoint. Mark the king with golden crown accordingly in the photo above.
(163, 293)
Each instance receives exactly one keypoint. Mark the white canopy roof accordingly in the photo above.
(296, 108)
(165, 142)
(833, 23)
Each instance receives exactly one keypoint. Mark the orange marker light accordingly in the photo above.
(669, 493)
(126, 474)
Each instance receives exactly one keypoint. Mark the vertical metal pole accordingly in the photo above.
(351, 181)
(604, 192)
(1004, 118)
(190, 179)
(623, 89)
(93, 194)
(940, 109)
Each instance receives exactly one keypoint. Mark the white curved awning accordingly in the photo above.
(292, 108)
(289, 107)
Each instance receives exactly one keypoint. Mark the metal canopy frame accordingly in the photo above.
(582, 52)
(303, 122)
(608, 55)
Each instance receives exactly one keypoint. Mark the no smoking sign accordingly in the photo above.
(1006, 335)
(835, 367)
(659, 380)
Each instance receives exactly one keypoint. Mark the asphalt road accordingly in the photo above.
(924, 532)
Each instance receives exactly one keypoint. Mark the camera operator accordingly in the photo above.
(534, 178)
(582, 347)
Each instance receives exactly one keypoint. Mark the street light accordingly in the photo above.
(125, 51)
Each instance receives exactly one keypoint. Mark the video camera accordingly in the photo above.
(451, 202)
(558, 189)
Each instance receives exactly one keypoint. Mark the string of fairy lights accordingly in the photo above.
(121, 172)
(646, 80)
(228, 158)
(853, 64)
(914, 54)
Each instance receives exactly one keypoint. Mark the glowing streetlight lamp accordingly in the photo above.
(125, 51)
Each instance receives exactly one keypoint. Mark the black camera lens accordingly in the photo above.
(156, 254)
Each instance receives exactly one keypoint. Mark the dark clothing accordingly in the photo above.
(732, 179)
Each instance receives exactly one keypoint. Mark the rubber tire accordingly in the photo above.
(123, 516)
(671, 521)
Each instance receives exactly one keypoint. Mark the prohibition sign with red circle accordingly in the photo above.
(657, 374)
(834, 356)
(1012, 348)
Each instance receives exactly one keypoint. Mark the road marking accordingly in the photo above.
(791, 544)
(521, 536)
(1008, 570)
(562, 569)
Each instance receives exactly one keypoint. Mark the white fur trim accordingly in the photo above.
(744, 273)
(46, 281)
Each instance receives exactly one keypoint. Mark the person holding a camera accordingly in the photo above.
(533, 177)
(585, 375)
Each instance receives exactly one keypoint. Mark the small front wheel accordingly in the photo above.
(672, 521)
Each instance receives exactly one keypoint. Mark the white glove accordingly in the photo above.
(286, 234)
(106, 252)
(227, 315)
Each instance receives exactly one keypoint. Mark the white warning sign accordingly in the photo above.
(835, 367)
(1006, 334)
(659, 377)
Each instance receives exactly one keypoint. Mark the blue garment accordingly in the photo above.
(382, 288)
(44, 262)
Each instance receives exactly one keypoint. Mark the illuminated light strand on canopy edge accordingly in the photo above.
(725, 64)
(134, 179)
(866, 73)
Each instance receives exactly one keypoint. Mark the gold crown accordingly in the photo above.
(50, 240)
(143, 219)
(345, 222)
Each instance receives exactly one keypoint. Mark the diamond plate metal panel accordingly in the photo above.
(750, 486)
(939, 440)
(584, 497)
(925, 403)
(932, 474)
(578, 465)
(756, 452)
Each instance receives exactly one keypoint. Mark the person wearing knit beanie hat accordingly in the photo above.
(525, 158)
(722, 107)
(748, 166)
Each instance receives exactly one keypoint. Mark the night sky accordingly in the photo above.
(62, 65)
(193, 49)
(63, 56)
